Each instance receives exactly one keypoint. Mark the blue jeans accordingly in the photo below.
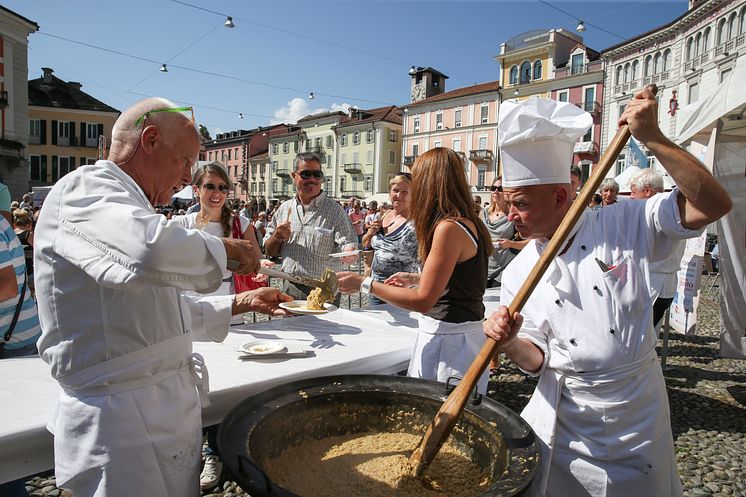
(20, 352)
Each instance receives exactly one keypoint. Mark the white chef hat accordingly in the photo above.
(536, 138)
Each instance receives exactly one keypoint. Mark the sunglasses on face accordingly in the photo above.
(318, 174)
(213, 186)
(496, 188)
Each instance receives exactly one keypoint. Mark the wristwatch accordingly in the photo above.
(365, 286)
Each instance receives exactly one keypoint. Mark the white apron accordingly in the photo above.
(446, 349)
(148, 411)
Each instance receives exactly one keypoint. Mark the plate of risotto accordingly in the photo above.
(303, 307)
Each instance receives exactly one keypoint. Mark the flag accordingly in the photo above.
(640, 159)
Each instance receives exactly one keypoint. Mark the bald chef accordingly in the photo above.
(600, 407)
(116, 329)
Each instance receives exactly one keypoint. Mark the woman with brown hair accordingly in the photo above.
(453, 245)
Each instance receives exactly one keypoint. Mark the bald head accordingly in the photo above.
(158, 151)
(537, 210)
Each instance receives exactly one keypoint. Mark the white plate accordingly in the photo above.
(301, 307)
(344, 254)
(262, 347)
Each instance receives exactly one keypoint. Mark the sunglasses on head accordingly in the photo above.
(306, 174)
(494, 188)
(213, 186)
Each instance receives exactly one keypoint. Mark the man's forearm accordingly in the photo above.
(705, 200)
(524, 354)
(273, 245)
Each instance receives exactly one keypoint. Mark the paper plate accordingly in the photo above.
(301, 307)
(262, 347)
(344, 254)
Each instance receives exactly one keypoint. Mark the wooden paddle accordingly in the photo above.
(442, 425)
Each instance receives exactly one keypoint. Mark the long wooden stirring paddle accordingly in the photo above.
(442, 425)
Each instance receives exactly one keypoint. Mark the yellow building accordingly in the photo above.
(528, 61)
(369, 151)
(282, 151)
(65, 124)
(318, 130)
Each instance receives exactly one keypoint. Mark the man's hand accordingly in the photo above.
(374, 227)
(265, 300)
(245, 252)
(349, 282)
(402, 279)
(501, 328)
(641, 115)
(282, 231)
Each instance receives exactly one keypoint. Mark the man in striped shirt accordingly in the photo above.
(309, 227)
(12, 273)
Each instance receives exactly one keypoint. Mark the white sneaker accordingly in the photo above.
(210, 475)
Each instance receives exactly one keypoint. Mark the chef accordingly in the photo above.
(600, 407)
(116, 329)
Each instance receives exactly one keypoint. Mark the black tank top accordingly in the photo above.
(462, 299)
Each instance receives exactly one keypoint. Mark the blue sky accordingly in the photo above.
(347, 52)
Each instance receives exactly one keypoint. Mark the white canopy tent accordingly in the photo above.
(722, 115)
(186, 193)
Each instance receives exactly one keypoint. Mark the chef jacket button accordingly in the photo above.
(582, 247)
(572, 341)
(557, 301)
(611, 331)
(595, 287)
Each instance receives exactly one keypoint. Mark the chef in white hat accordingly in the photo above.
(600, 407)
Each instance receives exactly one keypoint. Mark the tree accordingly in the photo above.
(204, 133)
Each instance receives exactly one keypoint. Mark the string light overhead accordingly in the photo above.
(581, 27)
(164, 68)
(229, 22)
(240, 115)
(310, 96)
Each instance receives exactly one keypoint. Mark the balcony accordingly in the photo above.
(593, 108)
(585, 148)
(409, 160)
(481, 156)
(352, 193)
(283, 173)
(353, 168)
(282, 192)
(317, 149)
(462, 155)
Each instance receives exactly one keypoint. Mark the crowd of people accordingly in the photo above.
(127, 370)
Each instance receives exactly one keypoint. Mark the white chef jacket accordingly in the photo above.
(600, 408)
(117, 332)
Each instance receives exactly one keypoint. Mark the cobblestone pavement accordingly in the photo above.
(707, 395)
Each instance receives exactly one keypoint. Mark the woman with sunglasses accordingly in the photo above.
(453, 245)
(392, 237)
(502, 232)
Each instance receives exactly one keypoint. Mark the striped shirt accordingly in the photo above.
(27, 328)
(320, 229)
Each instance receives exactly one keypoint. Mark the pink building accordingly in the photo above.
(464, 120)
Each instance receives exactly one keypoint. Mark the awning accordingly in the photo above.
(728, 103)
(185, 194)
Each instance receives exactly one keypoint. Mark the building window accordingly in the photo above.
(693, 92)
(342, 183)
(648, 68)
(34, 132)
(724, 74)
(484, 114)
(457, 119)
(562, 96)
(690, 49)
(328, 141)
(369, 157)
(437, 143)
(537, 69)
(416, 149)
(514, 75)
(732, 26)
(621, 110)
(356, 138)
(456, 145)
(318, 142)
(370, 135)
(666, 60)
(635, 72)
(368, 184)
(706, 40)
(328, 182)
(621, 163)
(38, 168)
(481, 173)
(417, 124)
(589, 95)
(588, 136)
(285, 148)
(392, 135)
(741, 21)
(63, 133)
(343, 140)
(274, 149)
(438, 121)
(618, 78)
(482, 143)
(576, 64)
(721, 32)
(525, 72)
(63, 166)
(392, 157)
(626, 73)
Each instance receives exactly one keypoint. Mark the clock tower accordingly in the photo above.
(426, 82)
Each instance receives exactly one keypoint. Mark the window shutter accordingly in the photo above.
(55, 169)
(43, 173)
(72, 134)
(100, 132)
(83, 135)
(43, 131)
(54, 132)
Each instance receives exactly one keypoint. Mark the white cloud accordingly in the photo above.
(298, 108)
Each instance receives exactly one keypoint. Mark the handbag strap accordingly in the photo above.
(12, 327)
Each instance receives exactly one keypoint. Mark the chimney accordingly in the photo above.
(47, 74)
(75, 84)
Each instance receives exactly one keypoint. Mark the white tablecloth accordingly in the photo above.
(341, 342)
